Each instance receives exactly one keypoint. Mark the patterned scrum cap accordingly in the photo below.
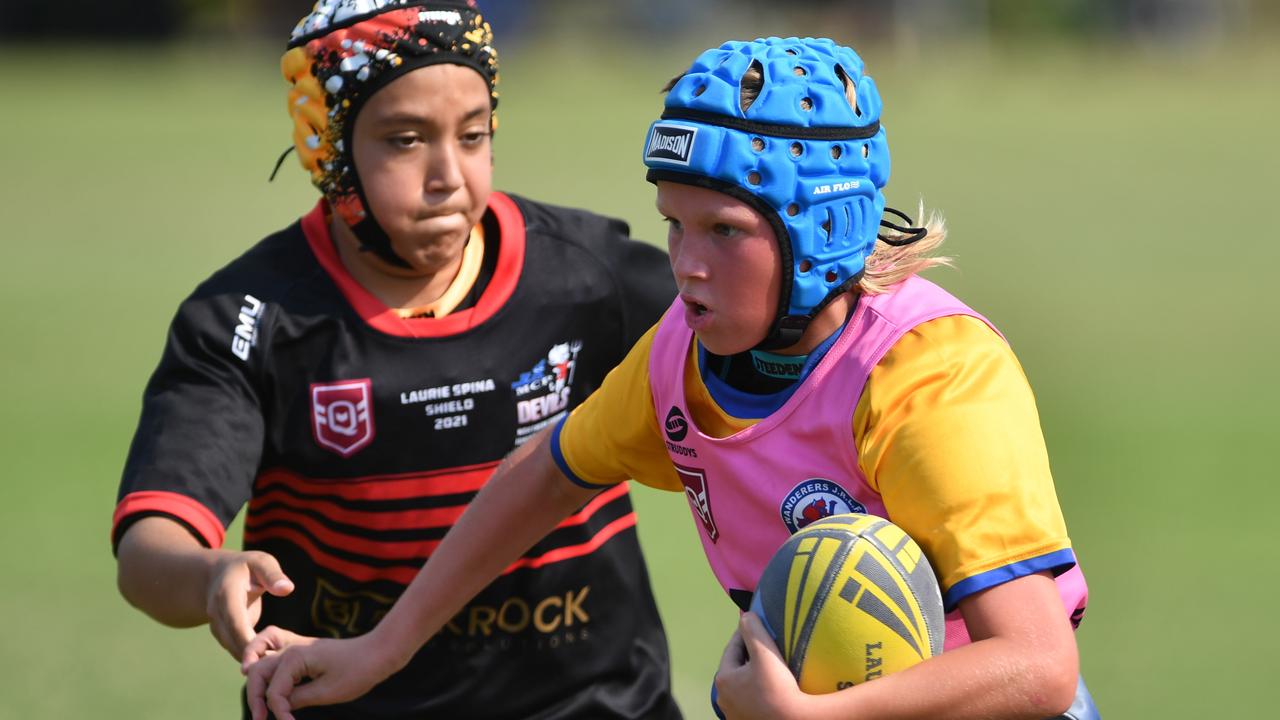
(341, 54)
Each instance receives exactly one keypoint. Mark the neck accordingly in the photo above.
(828, 321)
(395, 287)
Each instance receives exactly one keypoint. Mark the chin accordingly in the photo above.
(718, 345)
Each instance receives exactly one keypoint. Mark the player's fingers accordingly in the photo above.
(226, 608)
(238, 628)
(316, 692)
(256, 680)
(290, 671)
(271, 639)
(735, 654)
(268, 575)
(760, 645)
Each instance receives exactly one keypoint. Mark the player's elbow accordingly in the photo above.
(1051, 681)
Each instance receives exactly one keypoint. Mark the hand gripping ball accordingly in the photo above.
(848, 599)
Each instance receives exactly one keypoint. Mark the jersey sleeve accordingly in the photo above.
(613, 435)
(948, 434)
(199, 439)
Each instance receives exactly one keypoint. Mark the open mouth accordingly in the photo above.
(697, 308)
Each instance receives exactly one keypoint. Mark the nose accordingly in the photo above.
(688, 262)
(444, 170)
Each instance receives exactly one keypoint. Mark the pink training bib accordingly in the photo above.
(748, 492)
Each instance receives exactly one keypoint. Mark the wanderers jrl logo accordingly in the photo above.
(815, 499)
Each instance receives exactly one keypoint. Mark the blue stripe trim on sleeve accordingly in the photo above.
(1058, 561)
(558, 456)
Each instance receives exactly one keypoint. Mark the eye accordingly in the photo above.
(474, 138)
(404, 141)
(724, 230)
(672, 223)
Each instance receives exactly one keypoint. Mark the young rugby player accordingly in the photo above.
(357, 377)
(805, 370)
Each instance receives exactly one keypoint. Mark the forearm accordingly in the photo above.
(163, 571)
(523, 501)
(987, 679)
(1023, 664)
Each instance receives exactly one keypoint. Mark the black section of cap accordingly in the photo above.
(771, 129)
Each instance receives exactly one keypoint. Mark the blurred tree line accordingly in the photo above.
(651, 20)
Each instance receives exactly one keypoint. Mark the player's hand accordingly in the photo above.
(270, 641)
(753, 680)
(312, 671)
(234, 601)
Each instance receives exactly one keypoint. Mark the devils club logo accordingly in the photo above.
(815, 499)
(341, 415)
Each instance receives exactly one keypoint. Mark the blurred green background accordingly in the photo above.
(1108, 197)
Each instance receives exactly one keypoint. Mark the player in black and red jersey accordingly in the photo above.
(356, 377)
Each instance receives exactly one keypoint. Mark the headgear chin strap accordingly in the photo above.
(346, 50)
(801, 154)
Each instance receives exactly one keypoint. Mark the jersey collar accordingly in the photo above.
(506, 275)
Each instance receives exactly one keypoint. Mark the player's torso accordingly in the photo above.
(750, 491)
(374, 445)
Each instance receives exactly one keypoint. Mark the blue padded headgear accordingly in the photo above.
(800, 154)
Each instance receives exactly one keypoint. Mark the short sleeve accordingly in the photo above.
(613, 435)
(948, 433)
(199, 439)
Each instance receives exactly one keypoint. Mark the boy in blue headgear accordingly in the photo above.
(804, 370)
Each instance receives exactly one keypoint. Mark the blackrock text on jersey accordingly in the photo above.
(549, 622)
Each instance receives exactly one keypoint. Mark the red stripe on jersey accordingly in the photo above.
(416, 519)
(190, 511)
(573, 551)
(355, 571)
(364, 573)
(406, 520)
(506, 274)
(405, 486)
(314, 529)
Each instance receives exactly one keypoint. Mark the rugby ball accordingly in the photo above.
(848, 599)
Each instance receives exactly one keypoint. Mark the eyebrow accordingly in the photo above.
(408, 117)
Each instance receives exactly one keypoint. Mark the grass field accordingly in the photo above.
(1110, 211)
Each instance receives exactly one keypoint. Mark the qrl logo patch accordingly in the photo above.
(341, 416)
(695, 488)
(671, 143)
(815, 499)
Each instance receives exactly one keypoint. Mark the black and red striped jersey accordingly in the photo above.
(357, 437)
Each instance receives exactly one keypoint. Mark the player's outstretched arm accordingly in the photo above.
(169, 575)
(523, 501)
(1022, 664)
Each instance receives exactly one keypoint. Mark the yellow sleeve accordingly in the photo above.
(614, 435)
(947, 432)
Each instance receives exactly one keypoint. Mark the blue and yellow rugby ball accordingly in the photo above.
(850, 598)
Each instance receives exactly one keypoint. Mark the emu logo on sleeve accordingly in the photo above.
(671, 143)
(341, 415)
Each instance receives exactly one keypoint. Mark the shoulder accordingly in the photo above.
(947, 341)
(570, 225)
(270, 270)
(229, 311)
(605, 239)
